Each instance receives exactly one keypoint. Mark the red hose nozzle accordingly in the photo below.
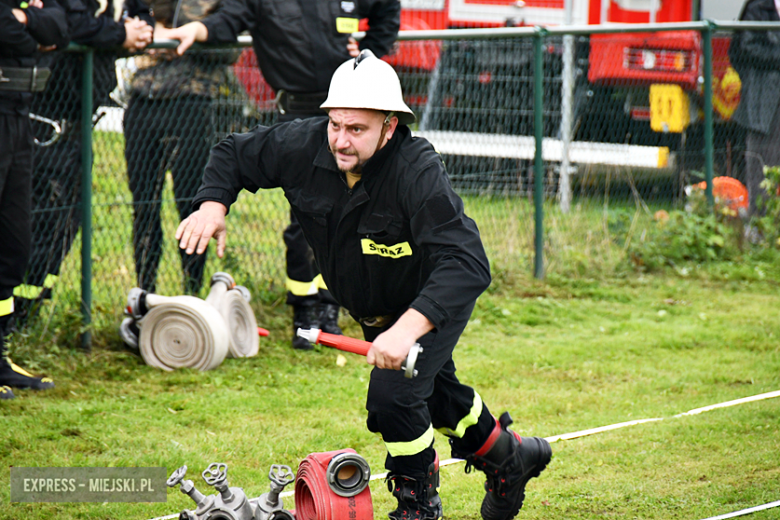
(357, 346)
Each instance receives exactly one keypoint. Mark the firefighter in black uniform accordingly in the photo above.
(299, 44)
(24, 30)
(57, 175)
(395, 248)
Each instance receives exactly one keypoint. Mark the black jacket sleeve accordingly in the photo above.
(242, 161)
(102, 31)
(232, 18)
(141, 9)
(384, 20)
(460, 270)
(14, 38)
(48, 25)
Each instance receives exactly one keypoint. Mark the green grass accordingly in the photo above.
(593, 345)
(562, 356)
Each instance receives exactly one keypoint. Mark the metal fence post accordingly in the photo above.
(708, 134)
(538, 163)
(86, 198)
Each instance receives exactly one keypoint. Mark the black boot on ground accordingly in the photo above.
(417, 500)
(329, 318)
(6, 393)
(304, 317)
(509, 462)
(15, 376)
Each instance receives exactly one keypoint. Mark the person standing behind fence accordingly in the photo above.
(23, 31)
(299, 44)
(170, 124)
(56, 219)
(756, 57)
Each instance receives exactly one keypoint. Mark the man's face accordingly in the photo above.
(355, 134)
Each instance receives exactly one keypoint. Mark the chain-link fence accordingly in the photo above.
(627, 121)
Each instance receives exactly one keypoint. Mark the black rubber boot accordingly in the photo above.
(15, 376)
(6, 393)
(509, 462)
(417, 500)
(329, 318)
(304, 317)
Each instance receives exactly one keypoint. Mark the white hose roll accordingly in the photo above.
(232, 304)
(182, 332)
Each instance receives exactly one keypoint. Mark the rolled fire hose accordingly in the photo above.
(232, 302)
(358, 346)
(180, 332)
(333, 486)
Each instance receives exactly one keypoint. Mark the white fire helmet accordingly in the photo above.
(368, 82)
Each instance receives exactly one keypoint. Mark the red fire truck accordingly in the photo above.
(642, 89)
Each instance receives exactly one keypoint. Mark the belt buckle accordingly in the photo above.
(3, 79)
(376, 321)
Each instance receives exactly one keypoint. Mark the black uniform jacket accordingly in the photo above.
(297, 42)
(19, 44)
(756, 56)
(397, 239)
(104, 30)
(62, 98)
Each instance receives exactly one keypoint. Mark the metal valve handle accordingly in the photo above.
(177, 476)
(215, 474)
(411, 359)
(281, 475)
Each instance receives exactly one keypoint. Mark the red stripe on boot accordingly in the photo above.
(491, 440)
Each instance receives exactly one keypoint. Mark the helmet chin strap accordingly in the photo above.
(383, 133)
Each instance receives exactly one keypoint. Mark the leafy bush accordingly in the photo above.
(768, 224)
(696, 234)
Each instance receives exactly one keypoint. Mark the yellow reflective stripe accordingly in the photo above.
(50, 280)
(31, 292)
(396, 251)
(7, 306)
(301, 288)
(400, 449)
(320, 282)
(19, 370)
(470, 420)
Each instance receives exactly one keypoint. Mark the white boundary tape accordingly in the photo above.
(759, 397)
(746, 511)
(602, 429)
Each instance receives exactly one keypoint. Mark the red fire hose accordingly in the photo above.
(333, 486)
(358, 346)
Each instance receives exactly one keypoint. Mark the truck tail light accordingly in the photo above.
(657, 60)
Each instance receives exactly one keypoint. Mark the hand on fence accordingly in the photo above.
(187, 35)
(195, 231)
(139, 34)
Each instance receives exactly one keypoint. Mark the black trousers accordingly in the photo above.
(405, 410)
(302, 271)
(164, 135)
(16, 160)
(56, 218)
(761, 150)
